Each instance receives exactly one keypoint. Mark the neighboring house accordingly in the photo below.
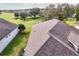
(7, 32)
(53, 38)
(77, 25)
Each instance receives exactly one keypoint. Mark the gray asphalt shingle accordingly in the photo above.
(62, 31)
(54, 48)
(6, 27)
(51, 46)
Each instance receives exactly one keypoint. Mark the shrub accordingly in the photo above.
(16, 15)
(21, 27)
(21, 52)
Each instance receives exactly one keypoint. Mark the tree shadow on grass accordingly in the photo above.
(29, 19)
(14, 43)
(33, 18)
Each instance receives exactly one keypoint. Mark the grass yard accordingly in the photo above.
(70, 21)
(21, 39)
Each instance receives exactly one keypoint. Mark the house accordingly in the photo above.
(53, 38)
(7, 32)
(77, 25)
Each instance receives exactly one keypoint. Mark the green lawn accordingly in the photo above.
(21, 39)
(70, 21)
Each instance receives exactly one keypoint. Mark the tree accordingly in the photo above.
(68, 10)
(60, 12)
(21, 27)
(60, 17)
(16, 14)
(41, 13)
(23, 16)
(50, 12)
(0, 12)
(77, 17)
(34, 12)
(77, 12)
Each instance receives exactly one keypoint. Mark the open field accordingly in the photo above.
(21, 39)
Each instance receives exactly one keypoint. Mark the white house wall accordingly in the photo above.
(7, 39)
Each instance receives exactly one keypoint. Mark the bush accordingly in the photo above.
(21, 27)
(77, 17)
(16, 15)
(21, 52)
(23, 16)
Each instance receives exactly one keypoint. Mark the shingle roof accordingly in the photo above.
(54, 48)
(39, 36)
(74, 38)
(62, 31)
(6, 27)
